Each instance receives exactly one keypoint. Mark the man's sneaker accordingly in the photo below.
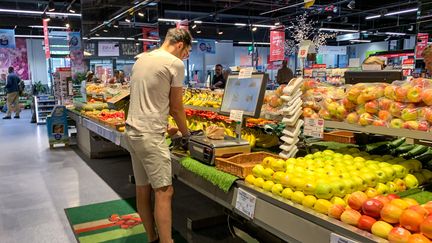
(7, 117)
(17, 117)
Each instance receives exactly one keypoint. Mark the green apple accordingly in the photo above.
(373, 166)
(351, 167)
(387, 157)
(338, 188)
(286, 193)
(359, 165)
(350, 185)
(267, 173)
(323, 190)
(370, 178)
(278, 165)
(319, 163)
(277, 189)
(392, 187)
(332, 172)
(359, 183)
(338, 160)
(292, 160)
(345, 175)
(355, 173)
(268, 185)
(427, 175)
(411, 181)
(310, 161)
(390, 173)
(382, 188)
(338, 155)
(421, 179)
(320, 170)
(366, 170)
(299, 170)
(401, 171)
(258, 170)
(416, 164)
(309, 187)
(382, 177)
(327, 158)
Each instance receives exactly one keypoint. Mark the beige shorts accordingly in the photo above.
(151, 159)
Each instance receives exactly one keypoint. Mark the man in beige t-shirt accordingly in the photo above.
(156, 91)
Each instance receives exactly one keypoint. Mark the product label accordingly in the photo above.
(245, 73)
(245, 203)
(313, 127)
(236, 115)
(335, 238)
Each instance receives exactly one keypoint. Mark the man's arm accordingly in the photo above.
(177, 109)
(278, 77)
(9, 81)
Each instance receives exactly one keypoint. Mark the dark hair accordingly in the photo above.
(175, 35)
(10, 69)
(219, 65)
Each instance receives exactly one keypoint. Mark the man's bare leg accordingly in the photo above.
(144, 205)
(163, 213)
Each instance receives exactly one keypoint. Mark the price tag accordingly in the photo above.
(117, 140)
(236, 115)
(313, 127)
(245, 203)
(80, 120)
(245, 73)
(335, 238)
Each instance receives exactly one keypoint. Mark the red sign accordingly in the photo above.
(397, 55)
(149, 34)
(277, 44)
(319, 66)
(46, 38)
(409, 61)
(422, 41)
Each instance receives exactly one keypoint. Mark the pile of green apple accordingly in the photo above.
(318, 180)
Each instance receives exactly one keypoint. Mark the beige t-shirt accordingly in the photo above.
(153, 75)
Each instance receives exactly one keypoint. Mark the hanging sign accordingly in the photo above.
(422, 42)
(277, 44)
(74, 41)
(108, 49)
(332, 50)
(7, 38)
(46, 38)
(206, 46)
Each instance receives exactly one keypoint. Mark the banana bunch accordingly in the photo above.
(266, 140)
(249, 136)
(202, 98)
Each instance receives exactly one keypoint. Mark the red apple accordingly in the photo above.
(349, 105)
(418, 238)
(411, 220)
(384, 115)
(365, 222)
(423, 126)
(324, 114)
(414, 94)
(336, 210)
(419, 209)
(428, 206)
(393, 196)
(372, 207)
(384, 103)
(427, 96)
(350, 216)
(401, 93)
(399, 235)
(426, 227)
(383, 199)
(396, 109)
(391, 213)
(413, 125)
(308, 112)
(428, 114)
(379, 123)
(372, 107)
(356, 200)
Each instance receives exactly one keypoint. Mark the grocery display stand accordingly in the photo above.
(44, 105)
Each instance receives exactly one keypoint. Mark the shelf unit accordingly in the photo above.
(44, 105)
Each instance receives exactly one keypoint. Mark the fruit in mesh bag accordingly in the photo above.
(215, 132)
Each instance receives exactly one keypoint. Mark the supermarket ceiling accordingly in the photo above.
(238, 20)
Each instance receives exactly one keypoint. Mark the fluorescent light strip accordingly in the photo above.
(394, 33)
(37, 12)
(338, 30)
(198, 22)
(49, 27)
(250, 43)
(263, 25)
(149, 40)
(374, 16)
(402, 12)
(240, 24)
(29, 36)
(361, 41)
(108, 38)
(169, 20)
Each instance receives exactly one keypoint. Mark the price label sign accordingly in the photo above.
(117, 140)
(245, 203)
(245, 73)
(236, 115)
(335, 238)
(313, 128)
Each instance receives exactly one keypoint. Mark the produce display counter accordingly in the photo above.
(419, 135)
(283, 218)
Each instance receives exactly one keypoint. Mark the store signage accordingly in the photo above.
(347, 37)
(422, 42)
(245, 73)
(206, 46)
(46, 38)
(314, 128)
(306, 47)
(74, 41)
(277, 44)
(108, 49)
(319, 66)
(245, 203)
(394, 55)
(236, 115)
(149, 33)
(183, 24)
(7, 38)
(332, 50)
(130, 49)
(408, 61)
(335, 238)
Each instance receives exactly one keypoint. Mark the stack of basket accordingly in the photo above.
(292, 111)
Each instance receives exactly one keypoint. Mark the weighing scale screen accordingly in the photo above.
(246, 94)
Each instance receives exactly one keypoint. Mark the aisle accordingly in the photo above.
(37, 183)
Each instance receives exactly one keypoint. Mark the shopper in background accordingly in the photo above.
(284, 74)
(12, 94)
(121, 78)
(219, 80)
(156, 91)
(427, 55)
(115, 78)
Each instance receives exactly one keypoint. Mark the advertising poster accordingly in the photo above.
(74, 41)
(16, 58)
(206, 46)
(422, 42)
(108, 49)
(46, 39)
(277, 45)
(7, 38)
(130, 49)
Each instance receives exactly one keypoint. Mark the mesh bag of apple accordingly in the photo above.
(317, 98)
(357, 188)
(273, 102)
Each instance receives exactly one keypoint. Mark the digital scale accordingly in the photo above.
(241, 93)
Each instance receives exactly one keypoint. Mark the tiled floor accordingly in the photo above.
(37, 183)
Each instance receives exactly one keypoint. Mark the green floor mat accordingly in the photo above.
(91, 223)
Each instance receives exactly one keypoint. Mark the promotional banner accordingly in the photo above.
(206, 46)
(74, 41)
(7, 38)
(46, 38)
(277, 44)
(16, 58)
(150, 33)
(129, 49)
(422, 42)
(332, 50)
(108, 49)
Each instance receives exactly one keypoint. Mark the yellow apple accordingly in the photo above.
(338, 200)
(309, 201)
(287, 193)
(297, 197)
(277, 189)
(250, 179)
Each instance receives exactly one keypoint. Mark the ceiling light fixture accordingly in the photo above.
(29, 36)
(106, 31)
(277, 23)
(402, 12)
(394, 33)
(194, 26)
(220, 32)
(45, 17)
(254, 29)
(263, 25)
(149, 40)
(250, 43)
(38, 12)
(96, 35)
(67, 25)
(198, 31)
(140, 14)
(338, 30)
(171, 20)
(49, 27)
(51, 6)
(115, 24)
(198, 22)
(127, 19)
(373, 16)
(351, 5)
(240, 24)
(361, 41)
(290, 6)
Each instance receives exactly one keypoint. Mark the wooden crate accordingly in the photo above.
(241, 165)
(339, 136)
